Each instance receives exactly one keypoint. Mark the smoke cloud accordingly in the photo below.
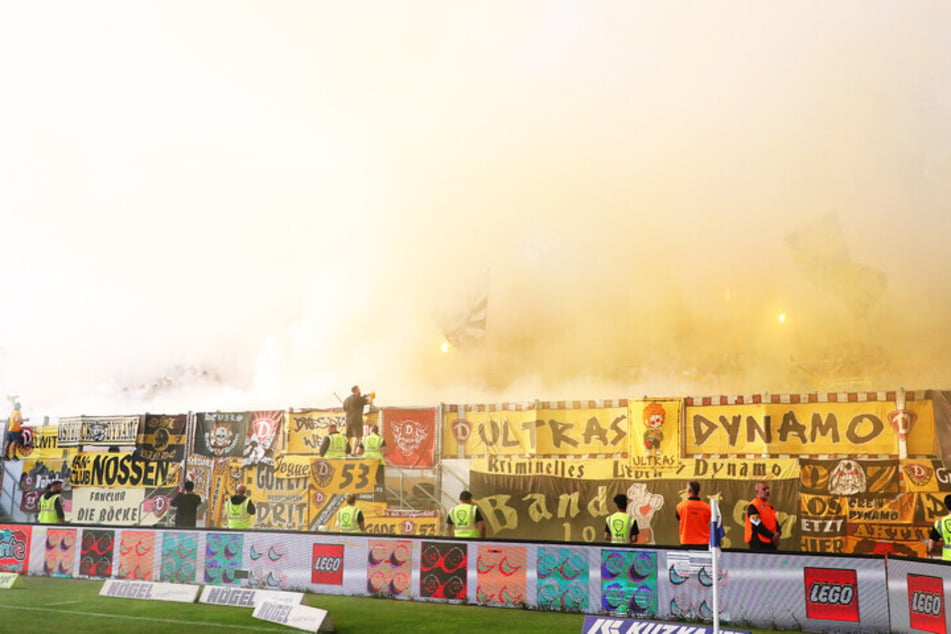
(238, 205)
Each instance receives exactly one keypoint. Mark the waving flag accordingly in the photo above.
(716, 525)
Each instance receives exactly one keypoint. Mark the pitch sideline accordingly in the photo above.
(251, 628)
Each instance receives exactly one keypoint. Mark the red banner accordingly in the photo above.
(410, 436)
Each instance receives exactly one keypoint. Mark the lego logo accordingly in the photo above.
(926, 603)
(831, 594)
(327, 564)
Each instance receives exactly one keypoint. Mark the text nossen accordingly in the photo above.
(106, 470)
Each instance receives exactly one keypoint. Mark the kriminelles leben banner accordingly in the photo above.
(851, 428)
(569, 500)
(124, 470)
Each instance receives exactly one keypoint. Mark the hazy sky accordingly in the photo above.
(289, 195)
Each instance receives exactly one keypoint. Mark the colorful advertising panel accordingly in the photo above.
(562, 575)
(96, 553)
(501, 575)
(443, 570)
(15, 548)
(136, 553)
(389, 568)
(179, 557)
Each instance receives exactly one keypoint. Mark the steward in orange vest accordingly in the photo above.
(694, 517)
(761, 528)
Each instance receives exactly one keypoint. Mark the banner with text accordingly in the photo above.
(848, 428)
(569, 500)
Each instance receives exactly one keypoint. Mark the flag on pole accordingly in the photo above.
(716, 538)
(716, 525)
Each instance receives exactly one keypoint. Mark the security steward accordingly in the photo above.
(51, 504)
(694, 517)
(465, 519)
(240, 509)
(373, 444)
(334, 444)
(941, 531)
(761, 529)
(349, 517)
(621, 528)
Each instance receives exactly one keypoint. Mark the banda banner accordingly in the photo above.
(410, 436)
(570, 500)
(121, 470)
(162, 437)
(306, 429)
(853, 428)
(655, 433)
(104, 431)
(221, 434)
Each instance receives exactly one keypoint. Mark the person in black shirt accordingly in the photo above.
(187, 503)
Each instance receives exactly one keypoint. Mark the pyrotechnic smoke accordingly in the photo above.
(232, 206)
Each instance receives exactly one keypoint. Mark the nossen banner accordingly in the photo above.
(609, 625)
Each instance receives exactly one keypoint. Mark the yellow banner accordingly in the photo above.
(572, 432)
(121, 470)
(655, 433)
(852, 429)
(403, 526)
(599, 469)
(306, 429)
(502, 432)
(44, 444)
(287, 466)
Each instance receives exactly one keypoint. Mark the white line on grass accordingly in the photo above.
(253, 628)
(63, 603)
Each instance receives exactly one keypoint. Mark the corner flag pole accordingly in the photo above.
(716, 535)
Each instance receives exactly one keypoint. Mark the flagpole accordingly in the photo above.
(715, 528)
